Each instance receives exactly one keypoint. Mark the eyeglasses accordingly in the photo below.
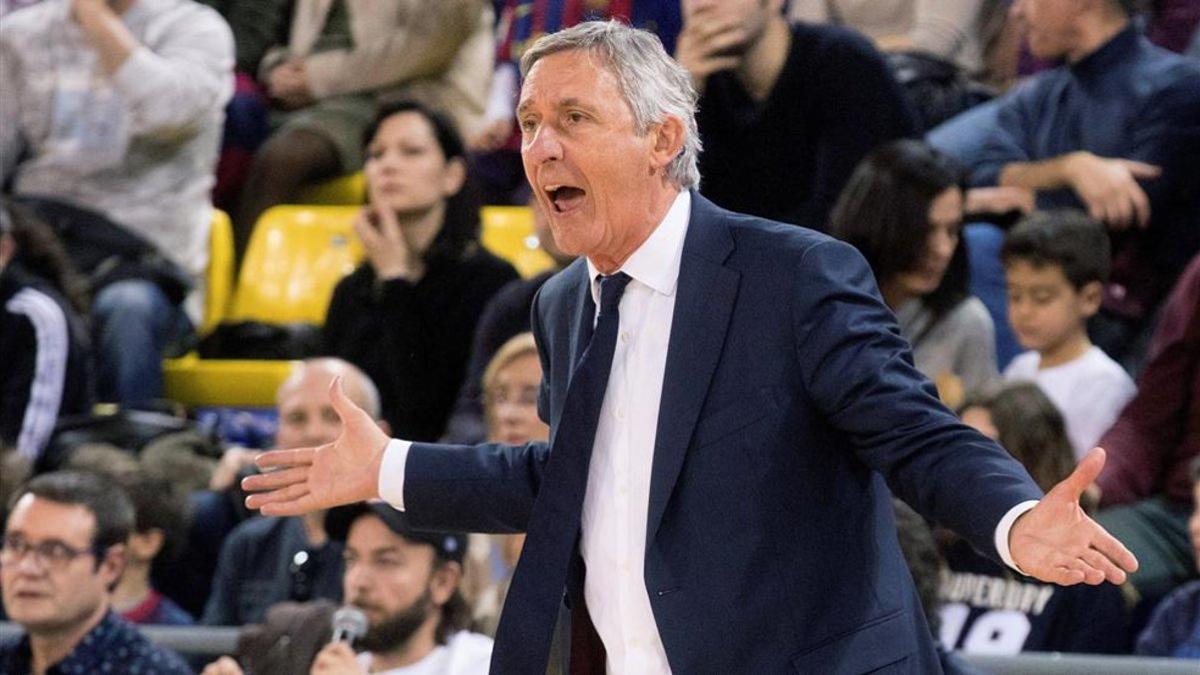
(50, 554)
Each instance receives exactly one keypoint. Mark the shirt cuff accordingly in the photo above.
(391, 472)
(1005, 527)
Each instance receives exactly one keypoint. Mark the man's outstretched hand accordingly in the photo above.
(307, 479)
(1057, 542)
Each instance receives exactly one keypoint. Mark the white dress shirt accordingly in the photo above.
(615, 505)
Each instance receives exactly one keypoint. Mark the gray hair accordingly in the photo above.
(653, 84)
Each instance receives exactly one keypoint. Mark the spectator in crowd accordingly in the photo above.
(110, 120)
(257, 25)
(406, 316)
(497, 162)
(1174, 628)
(927, 567)
(510, 386)
(159, 524)
(1112, 131)
(505, 316)
(64, 549)
(903, 210)
(1056, 264)
(269, 560)
(990, 609)
(785, 114)
(342, 61)
(954, 30)
(1145, 489)
(47, 371)
(405, 581)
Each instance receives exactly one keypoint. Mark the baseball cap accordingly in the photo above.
(448, 545)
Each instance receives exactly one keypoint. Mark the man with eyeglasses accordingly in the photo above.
(63, 552)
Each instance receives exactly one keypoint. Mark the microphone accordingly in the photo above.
(349, 624)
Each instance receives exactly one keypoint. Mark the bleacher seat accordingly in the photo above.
(347, 190)
(508, 232)
(218, 279)
(296, 256)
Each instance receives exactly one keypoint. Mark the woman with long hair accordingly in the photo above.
(902, 208)
(406, 316)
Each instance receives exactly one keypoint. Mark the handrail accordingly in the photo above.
(213, 641)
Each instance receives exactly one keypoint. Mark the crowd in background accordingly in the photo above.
(1022, 176)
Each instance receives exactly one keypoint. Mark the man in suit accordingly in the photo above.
(724, 428)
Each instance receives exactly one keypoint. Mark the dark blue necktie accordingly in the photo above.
(531, 608)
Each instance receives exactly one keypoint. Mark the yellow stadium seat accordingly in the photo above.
(296, 256)
(218, 280)
(508, 232)
(348, 190)
(224, 382)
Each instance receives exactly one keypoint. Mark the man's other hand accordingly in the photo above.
(1057, 542)
(307, 479)
(1109, 188)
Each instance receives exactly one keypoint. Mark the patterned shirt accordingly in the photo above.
(113, 646)
(139, 146)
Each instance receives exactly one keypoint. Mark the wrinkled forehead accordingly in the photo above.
(569, 76)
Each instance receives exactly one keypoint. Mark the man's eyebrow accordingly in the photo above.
(570, 102)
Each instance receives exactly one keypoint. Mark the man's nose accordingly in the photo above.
(543, 146)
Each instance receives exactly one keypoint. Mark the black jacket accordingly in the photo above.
(44, 350)
(413, 340)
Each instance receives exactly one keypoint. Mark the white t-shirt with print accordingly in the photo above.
(465, 653)
(1090, 391)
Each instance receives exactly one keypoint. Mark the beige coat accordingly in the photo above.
(439, 52)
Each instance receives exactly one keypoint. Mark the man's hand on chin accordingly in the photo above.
(1057, 542)
(307, 479)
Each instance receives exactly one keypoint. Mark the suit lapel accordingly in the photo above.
(706, 293)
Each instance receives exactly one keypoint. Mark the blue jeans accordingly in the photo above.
(133, 324)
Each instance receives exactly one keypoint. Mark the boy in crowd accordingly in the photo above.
(1056, 264)
(159, 523)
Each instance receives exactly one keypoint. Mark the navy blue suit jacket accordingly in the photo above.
(790, 406)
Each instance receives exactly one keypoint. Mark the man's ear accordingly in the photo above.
(667, 141)
(112, 565)
(445, 581)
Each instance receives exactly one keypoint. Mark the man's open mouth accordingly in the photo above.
(565, 197)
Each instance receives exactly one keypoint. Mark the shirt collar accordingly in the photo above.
(656, 262)
(1111, 53)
